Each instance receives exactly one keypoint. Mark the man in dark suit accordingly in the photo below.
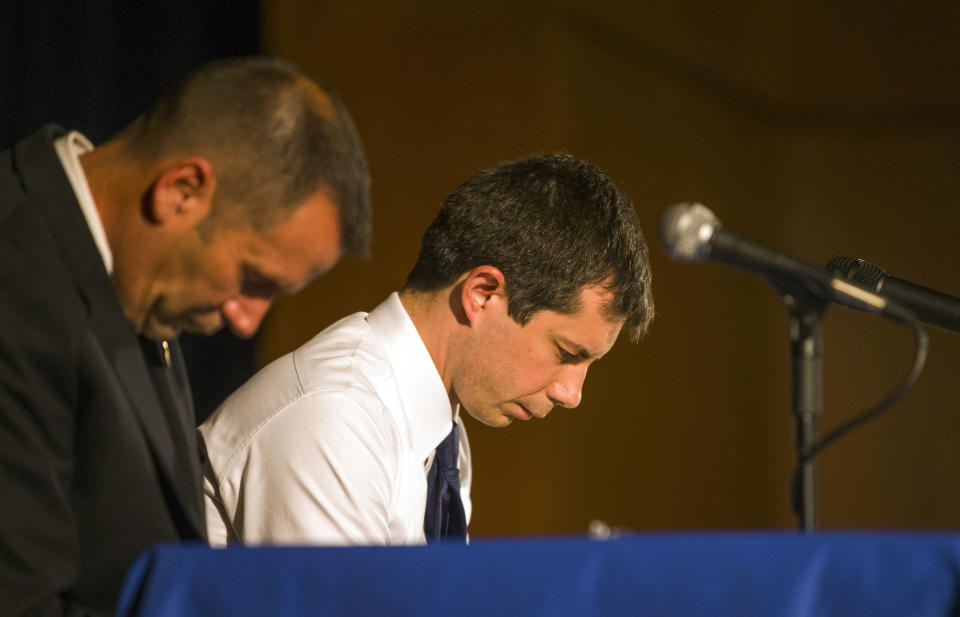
(246, 181)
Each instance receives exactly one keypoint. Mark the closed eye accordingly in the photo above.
(257, 284)
(566, 357)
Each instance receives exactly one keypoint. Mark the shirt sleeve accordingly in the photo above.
(320, 472)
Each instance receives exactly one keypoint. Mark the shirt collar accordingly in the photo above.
(69, 148)
(425, 399)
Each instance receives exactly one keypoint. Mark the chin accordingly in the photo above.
(498, 420)
(204, 325)
(160, 332)
(202, 330)
(494, 418)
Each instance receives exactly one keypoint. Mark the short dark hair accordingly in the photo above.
(552, 224)
(274, 137)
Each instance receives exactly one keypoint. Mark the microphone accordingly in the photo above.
(691, 232)
(930, 307)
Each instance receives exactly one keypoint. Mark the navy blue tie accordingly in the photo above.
(444, 517)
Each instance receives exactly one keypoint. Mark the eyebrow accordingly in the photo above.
(574, 349)
(286, 287)
(276, 285)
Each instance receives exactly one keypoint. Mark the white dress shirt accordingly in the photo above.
(331, 444)
(69, 148)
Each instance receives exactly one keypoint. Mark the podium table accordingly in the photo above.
(716, 575)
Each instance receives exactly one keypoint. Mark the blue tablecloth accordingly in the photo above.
(768, 574)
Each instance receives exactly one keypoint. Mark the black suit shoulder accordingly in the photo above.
(39, 402)
(91, 468)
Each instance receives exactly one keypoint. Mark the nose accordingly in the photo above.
(567, 389)
(243, 314)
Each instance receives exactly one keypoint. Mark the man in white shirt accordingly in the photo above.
(244, 182)
(526, 277)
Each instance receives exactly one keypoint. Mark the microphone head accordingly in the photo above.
(863, 274)
(685, 231)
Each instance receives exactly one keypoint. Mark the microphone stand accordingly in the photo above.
(805, 311)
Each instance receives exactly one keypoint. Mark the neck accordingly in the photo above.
(118, 186)
(433, 316)
(107, 180)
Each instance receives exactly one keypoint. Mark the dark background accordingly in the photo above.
(823, 129)
(94, 66)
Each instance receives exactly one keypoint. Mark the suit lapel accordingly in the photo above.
(167, 372)
(153, 405)
(44, 178)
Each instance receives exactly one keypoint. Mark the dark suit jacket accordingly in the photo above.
(97, 449)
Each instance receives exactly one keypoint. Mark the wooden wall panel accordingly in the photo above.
(690, 428)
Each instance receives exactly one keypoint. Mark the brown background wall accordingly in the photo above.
(824, 131)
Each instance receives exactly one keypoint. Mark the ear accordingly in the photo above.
(482, 290)
(182, 194)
